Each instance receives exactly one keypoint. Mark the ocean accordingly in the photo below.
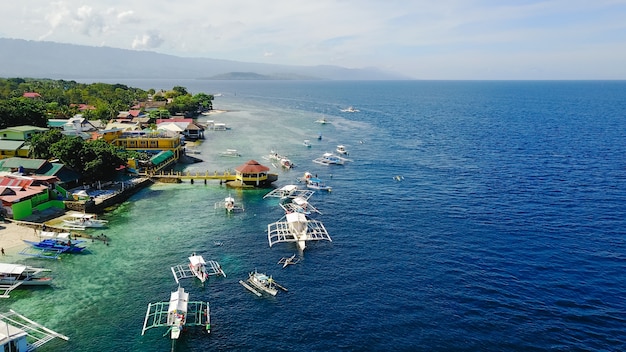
(474, 216)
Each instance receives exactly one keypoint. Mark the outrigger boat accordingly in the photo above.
(289, 192)
(281, 159)
(229, 204)
(295, 227)
(288, 261)
(259, 282)
(52, 245)
(19, 333)
(299, 205)
(80, 221)
(314, 182)
(330, 159)
(198, 268)
(13, 276)
(350, 109)
(232, 153)
(180, 312)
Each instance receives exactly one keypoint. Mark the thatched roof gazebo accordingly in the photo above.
(252, 174)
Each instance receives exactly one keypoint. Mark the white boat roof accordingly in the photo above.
(178, 300)
(295, 217)
(55, 235)
(6, 268)
(196, 259)
(300, 201)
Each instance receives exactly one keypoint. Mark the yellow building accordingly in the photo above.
(148, 142)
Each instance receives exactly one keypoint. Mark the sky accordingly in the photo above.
(422, 39)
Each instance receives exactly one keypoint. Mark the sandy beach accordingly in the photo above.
(11, 236)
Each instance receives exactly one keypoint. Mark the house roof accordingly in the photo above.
(28, 164)
(31, 95)
(24, 128)
(161, 157)
(252, 167)
(10, 145)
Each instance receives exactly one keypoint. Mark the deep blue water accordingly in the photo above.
(506, 234)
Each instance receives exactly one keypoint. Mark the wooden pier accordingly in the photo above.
(178, 176)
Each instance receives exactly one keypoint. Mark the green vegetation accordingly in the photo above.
(60, 99)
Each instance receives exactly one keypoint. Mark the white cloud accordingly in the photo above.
(349, 33)
(149, 40)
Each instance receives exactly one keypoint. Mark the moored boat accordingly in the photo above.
(232, 153)
(330, 159)
(180, 312)
(82, 220)
(341, 149)
(258, 283)
(11, 274)
(306, 143)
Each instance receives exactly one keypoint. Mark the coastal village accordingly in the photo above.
(47, 205)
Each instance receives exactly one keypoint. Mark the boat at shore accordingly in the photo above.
(52, 244)
(80, 221)
(258, 283)
(177, 314)
(13, 276)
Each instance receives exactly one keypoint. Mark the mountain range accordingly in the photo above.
(41, 59)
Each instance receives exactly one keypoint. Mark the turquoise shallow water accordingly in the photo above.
(506, 234)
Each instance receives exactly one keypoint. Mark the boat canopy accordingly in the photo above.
(178, 301)
(195, 260)
(6, 268)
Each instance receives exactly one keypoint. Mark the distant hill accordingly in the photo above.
(36, 59)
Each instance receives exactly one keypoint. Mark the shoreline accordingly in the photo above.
(11, 236)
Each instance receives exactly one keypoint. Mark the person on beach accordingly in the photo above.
(2, 251)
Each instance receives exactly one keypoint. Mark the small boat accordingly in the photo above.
(322, 121)
(80, 221)
(330, 159)
(341, 149)
(349, 109)
(281, 159)
(258, 283)
(319, 138)
(13, 276)
(177, 314)
(313, 182)
(231, 153)
(288, 261)
(307, 143)
(197, 268)
(229, 204)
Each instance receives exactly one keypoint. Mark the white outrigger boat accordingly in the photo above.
(13, 276)
(19, 333)
(282, 160)
(289, 192)
(295, 227)
(229, 204)
(259, 282)
(299, 205)
(81, 221)
(198, 268)
(177, 313)
(231, 153)
(330, 159)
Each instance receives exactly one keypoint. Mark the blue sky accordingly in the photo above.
(443, 39)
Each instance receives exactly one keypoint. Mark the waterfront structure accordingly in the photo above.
(252, 174)
(150, 142)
